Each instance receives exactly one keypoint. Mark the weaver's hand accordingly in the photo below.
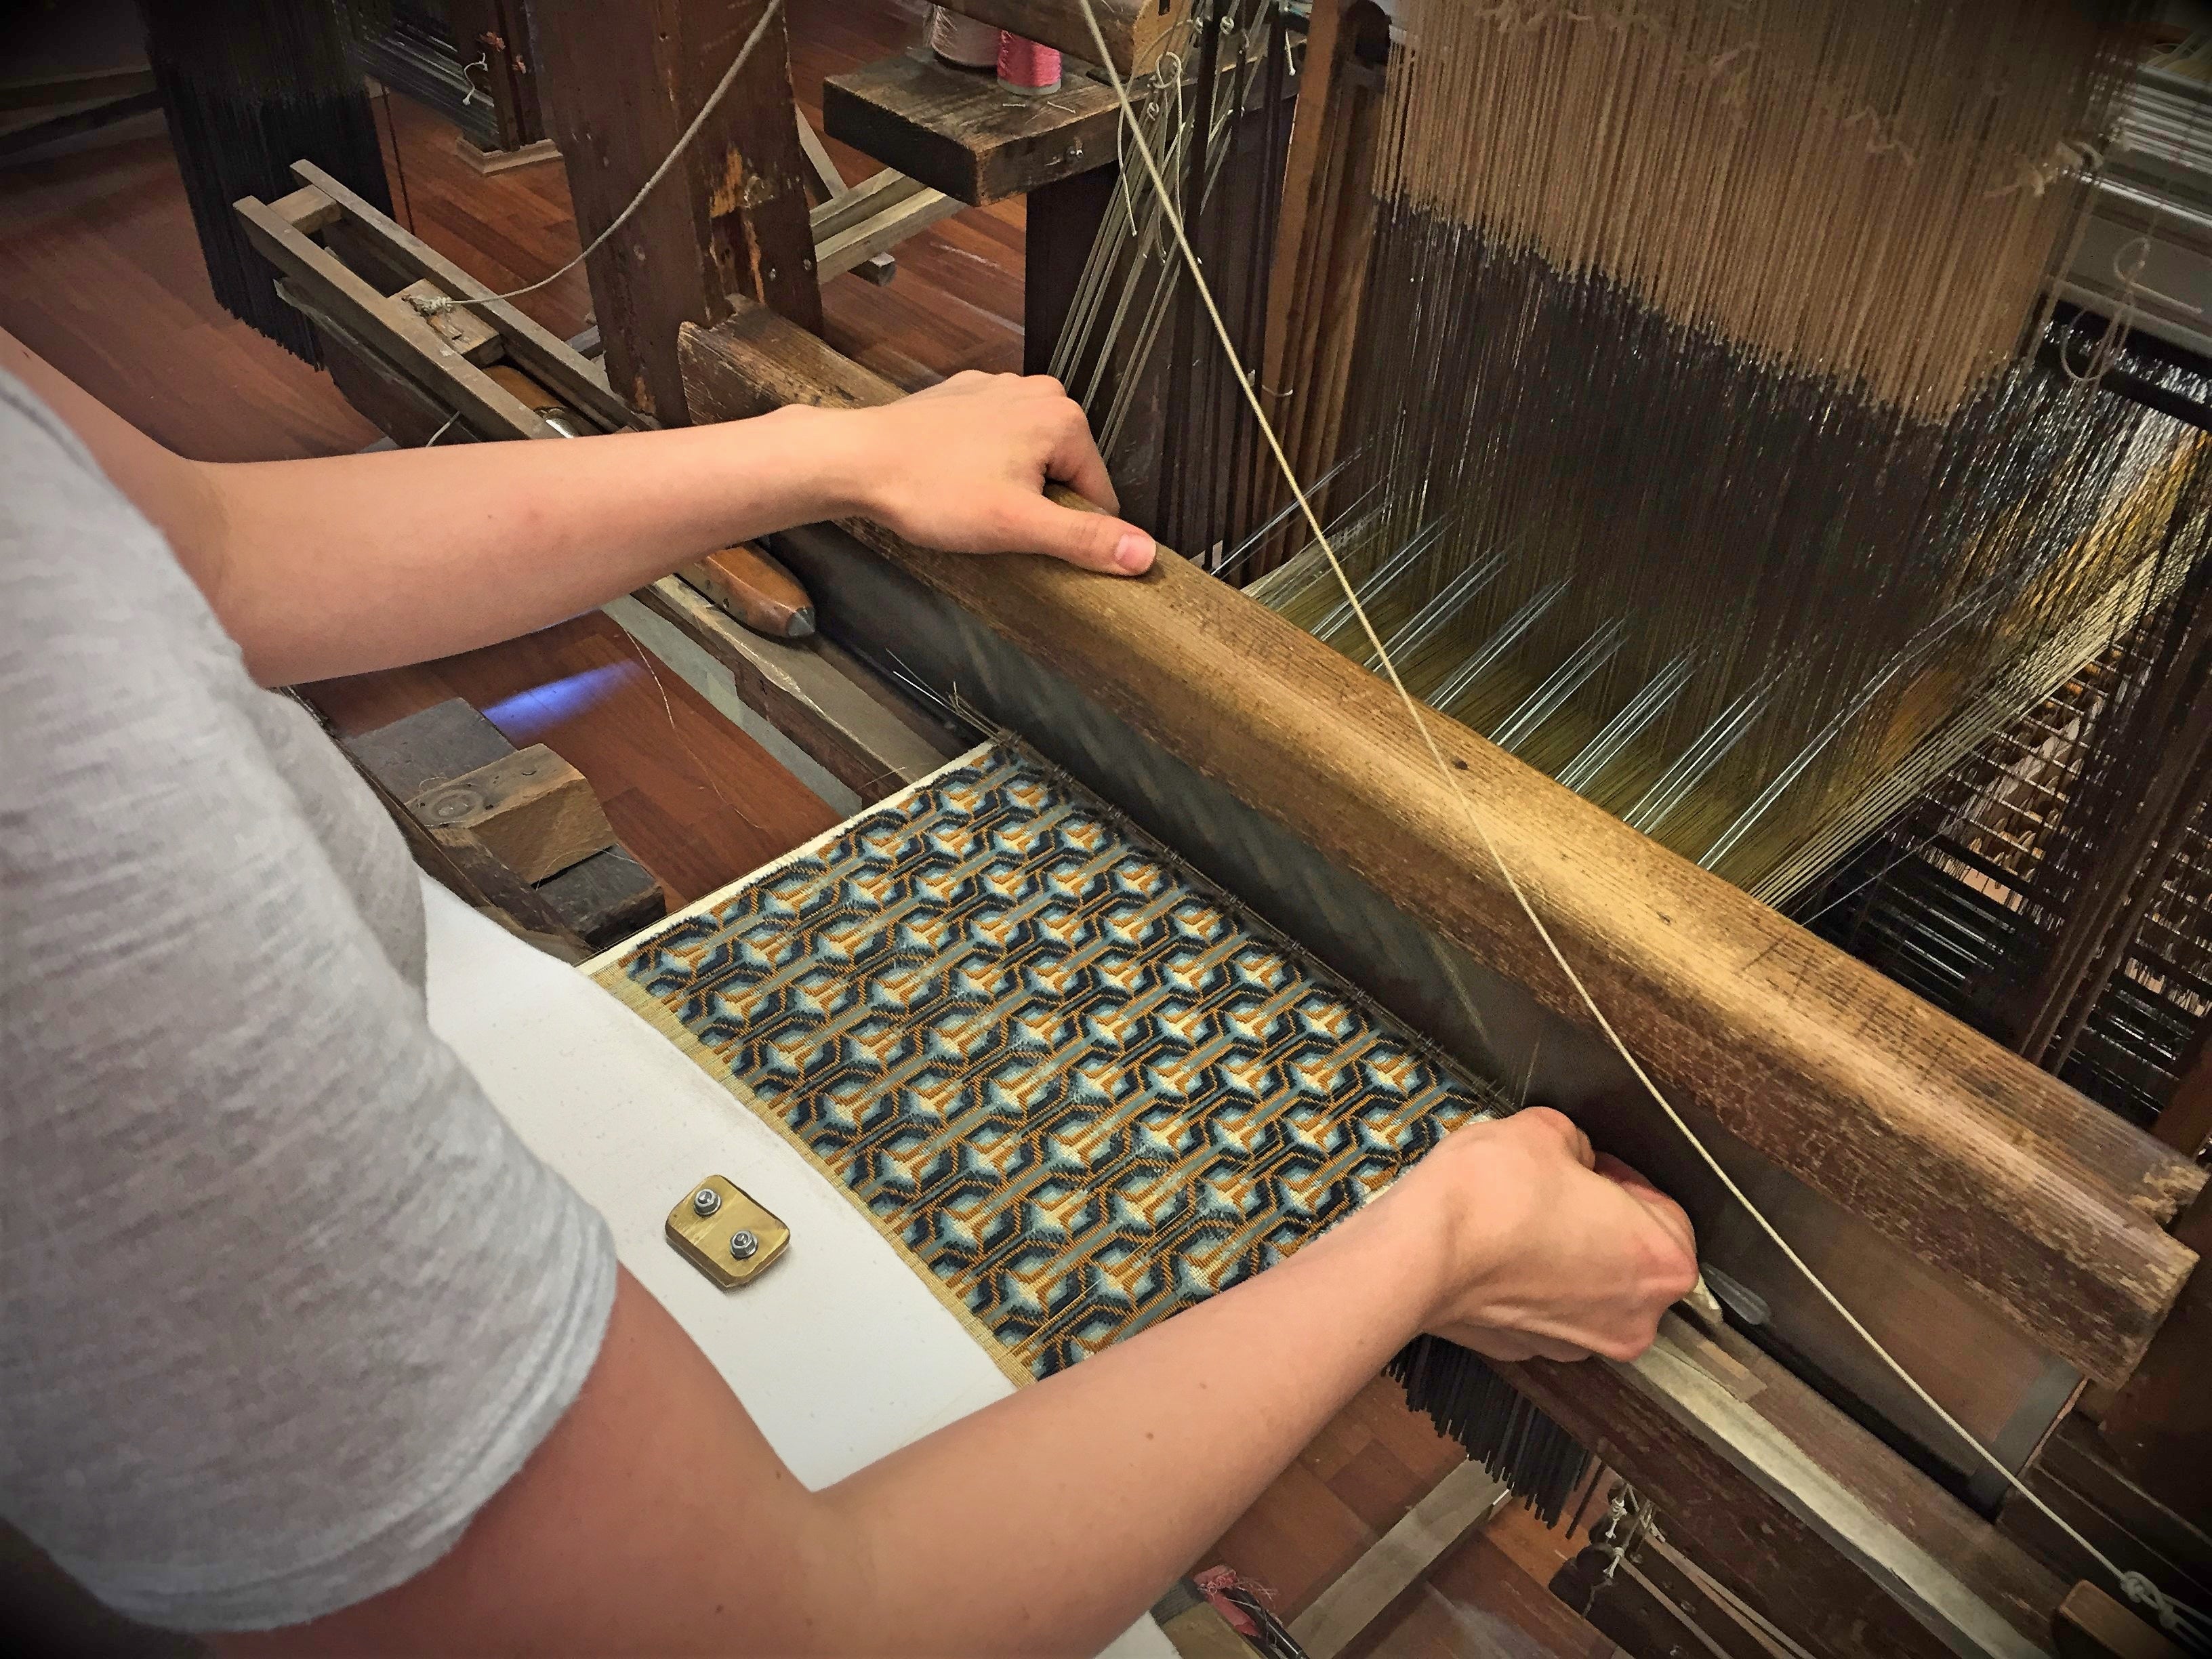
(1545, 1250)
(964, 465)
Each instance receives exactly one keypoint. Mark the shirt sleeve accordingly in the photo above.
(285, 1299)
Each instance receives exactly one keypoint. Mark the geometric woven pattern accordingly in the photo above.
(1075, 1087)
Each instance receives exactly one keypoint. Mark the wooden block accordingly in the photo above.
(533, 810)
(463, 328)
(605, 899)
(957, 131)
(308, 210)
(410, 755)
(396, 405)
(755, 590)
(440, 743)
(2092, 1624)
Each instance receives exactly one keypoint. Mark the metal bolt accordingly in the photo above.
(744, 1246)
(706, 1201)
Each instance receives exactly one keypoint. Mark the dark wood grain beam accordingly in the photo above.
(622, 83)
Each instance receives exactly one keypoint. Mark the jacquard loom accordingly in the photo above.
(1770, 438)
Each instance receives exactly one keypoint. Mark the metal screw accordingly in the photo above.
(744, 1246)
(706, 1201)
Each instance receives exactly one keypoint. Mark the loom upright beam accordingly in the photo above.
(623, 83)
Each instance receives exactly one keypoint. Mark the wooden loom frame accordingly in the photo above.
(1960, 1153)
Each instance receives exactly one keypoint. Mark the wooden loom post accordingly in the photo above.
(1967, 1156)
(625, 81)
(1317, 276)
(500, 30)
(2159, 1428)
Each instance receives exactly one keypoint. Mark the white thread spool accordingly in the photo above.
(963, 40)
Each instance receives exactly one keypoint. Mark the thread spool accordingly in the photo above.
(1027, 67)
(963, 40)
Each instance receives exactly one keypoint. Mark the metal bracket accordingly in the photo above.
(720, 1230)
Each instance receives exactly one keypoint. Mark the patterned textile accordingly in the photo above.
(1076, 1088)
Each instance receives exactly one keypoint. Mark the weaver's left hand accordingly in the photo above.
(964, 465)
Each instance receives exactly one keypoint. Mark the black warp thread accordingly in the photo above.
(250, 87)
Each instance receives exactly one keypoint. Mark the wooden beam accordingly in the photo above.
(2159, 1429)
(864, 239)
(1137, 31)
(958, 130)
(2186, 1121)
(806, 691)
(308, 210)
(2092, 1624)
(1460, 1503)
(536, 813)
(863, 201)
(544, 355)
(49, 92)
(1978, 1163)
(829, 182)
(1059, 224)
(418, 350)
(623, 83)
(1800, 1513)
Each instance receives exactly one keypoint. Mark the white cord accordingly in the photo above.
(2177, 1618)
(430, 305)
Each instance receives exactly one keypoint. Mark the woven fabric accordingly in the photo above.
(1078, 1089)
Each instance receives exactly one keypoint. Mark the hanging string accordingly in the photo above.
(430, 305)
(2177, 1618)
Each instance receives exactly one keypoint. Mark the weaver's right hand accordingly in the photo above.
(1545, 1249)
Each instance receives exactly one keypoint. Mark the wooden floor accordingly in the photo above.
(100, 272)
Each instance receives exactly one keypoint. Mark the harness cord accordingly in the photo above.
(2178, 1620)
(432, 305)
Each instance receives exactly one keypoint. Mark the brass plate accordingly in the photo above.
(704, 1240)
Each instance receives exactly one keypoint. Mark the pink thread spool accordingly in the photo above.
(963, 40)
(1027, 67)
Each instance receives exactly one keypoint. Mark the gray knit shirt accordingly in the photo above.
(282, 1299)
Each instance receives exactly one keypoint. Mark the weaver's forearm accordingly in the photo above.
(352, 562)
(1092, 1491)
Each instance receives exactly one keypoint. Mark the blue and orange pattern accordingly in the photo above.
(1077, 1088)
